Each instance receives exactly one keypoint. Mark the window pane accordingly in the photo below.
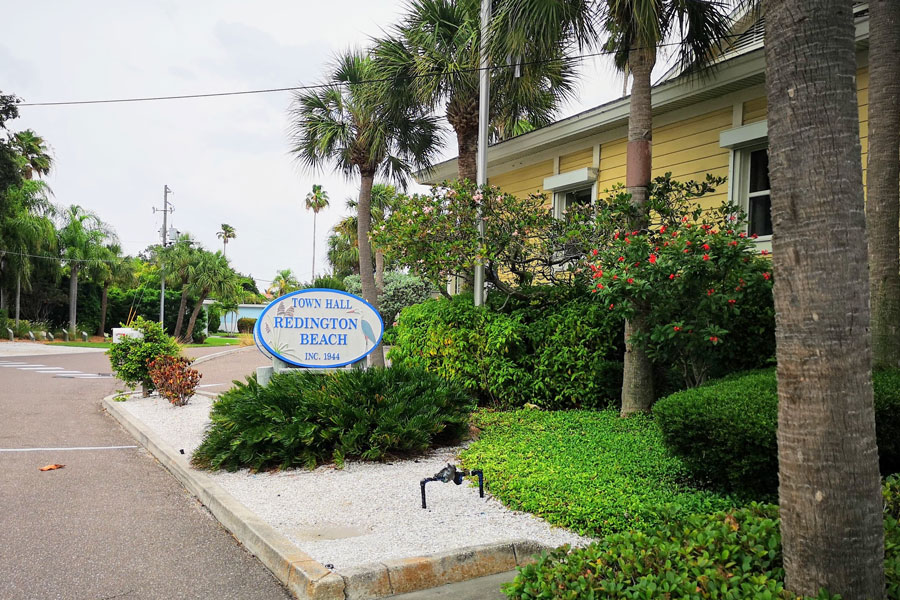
(578, 197)
(760, 215)
(759, 170)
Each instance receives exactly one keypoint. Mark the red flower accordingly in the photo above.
(706, 246)
(652, 259)
(763, 252)
(766, 276)
(677, 328)
(688, 243)
(731, 301)
(713, 339)
(615, 276)
(686, 250)
(627, 241)
(672, 276)
(621, 259)
(665, 244)
(742, 235)
(630, 280)
(611, 306)
(706, 257)
(599, 286)
(662, 229)
(754, 236)
(634, 233)
(734, 243)
(615, 237)
(594, 252)
(710, 292)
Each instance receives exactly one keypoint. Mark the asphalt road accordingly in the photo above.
(112, 523)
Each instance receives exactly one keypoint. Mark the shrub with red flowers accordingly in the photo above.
(174, 378)
(698, 272)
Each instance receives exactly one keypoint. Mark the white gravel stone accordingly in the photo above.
(364, 513)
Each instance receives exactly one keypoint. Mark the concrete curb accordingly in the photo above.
(208, 357)
(306, 578)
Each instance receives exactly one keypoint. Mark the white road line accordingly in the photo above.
(90, 376)
(50, 370)
(35, 368)
(67, 373)
(65, 449)
(210, 384)
(20, 365)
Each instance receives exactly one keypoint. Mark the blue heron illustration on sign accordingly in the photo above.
(367, 330)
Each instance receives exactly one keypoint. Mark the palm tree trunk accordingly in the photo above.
(18, 296)
(188, 336)
(73, 297)
(467, 149)
(182, 307)
(830, 490)
(366, 277)
(104, 296)
(637, 380)
(883, 199)
(315, 214)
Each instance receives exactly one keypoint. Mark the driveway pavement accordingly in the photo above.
(112, 523)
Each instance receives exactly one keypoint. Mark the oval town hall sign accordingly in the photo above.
(319, 328)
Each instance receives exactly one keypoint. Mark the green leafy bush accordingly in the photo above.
(246, 325)
(174, 378)
(565, 355)
(733, 555)
(130, 358)
(590, 471)
(329, 283)
(725, 430)
(304, 419)
(214, 321)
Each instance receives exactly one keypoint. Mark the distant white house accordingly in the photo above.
(228, 324)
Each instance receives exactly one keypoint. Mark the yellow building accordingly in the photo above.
(715, 124)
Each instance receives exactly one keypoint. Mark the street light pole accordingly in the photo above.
(484, 103)
(162, 269)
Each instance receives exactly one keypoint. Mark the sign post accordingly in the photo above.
(316, 329)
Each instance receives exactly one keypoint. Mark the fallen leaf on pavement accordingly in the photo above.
(52, 467)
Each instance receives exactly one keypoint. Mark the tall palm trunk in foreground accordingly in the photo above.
(637, 377)
(883, 184)
(830, 496)
(366, 275)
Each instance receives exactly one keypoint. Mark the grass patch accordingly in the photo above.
(212, 342)
(83, 344)
(589, 471)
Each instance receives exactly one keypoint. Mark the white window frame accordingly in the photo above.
(743, 141)
(572, 181)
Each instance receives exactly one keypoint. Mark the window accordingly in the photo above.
(758, 199)
(565, 200)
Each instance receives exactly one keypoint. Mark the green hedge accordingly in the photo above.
(564, 356)
(590, 471)
(304, 419)
(732, 555)
(725, 430)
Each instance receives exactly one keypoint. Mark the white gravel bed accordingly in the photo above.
(364, 513)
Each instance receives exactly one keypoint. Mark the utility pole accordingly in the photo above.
(484, 103)
(166, 209)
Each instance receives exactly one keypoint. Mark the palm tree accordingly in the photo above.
(829, 486)
(212, 275)
(633, 30)
(179, 260)
(81, 240)
(443, 37)
(227, 233)
(34, 153)
(25, 230)
(358, 129)
(111, 269)
(882, 198)
(284, 283)
(316, 200)
(384, 198)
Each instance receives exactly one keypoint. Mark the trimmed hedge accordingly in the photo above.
(725, 430)
(564, 356)
(304, 419)
(589, 471)
(733, 555)
(246, 325)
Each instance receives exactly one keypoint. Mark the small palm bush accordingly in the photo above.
(305, 419)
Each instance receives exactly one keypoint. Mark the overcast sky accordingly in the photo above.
(226, 159)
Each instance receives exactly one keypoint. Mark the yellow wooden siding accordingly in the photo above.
(688, 149)
(576, 160)
(524, 181)
(755, 110)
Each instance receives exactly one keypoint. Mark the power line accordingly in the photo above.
(60, 258)
(318, 86)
